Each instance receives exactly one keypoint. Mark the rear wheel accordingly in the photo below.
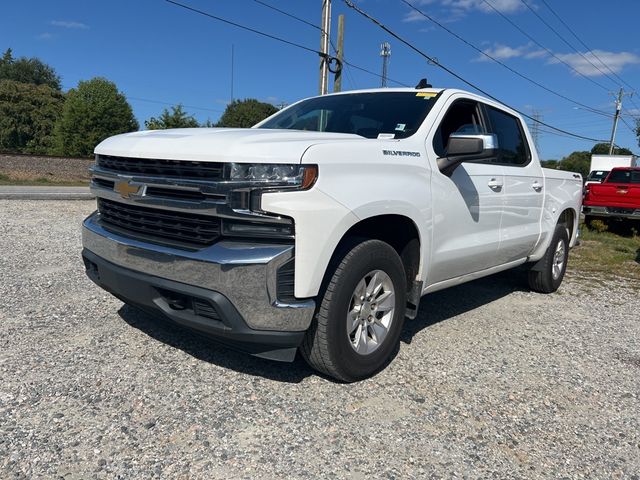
(546, 275)
(356, 329)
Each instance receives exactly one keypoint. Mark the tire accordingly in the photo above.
(332, 345)
(546, 275)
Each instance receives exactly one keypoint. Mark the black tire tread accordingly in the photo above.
(540, 280)
(315, 346)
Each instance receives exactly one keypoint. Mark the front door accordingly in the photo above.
(467, 205)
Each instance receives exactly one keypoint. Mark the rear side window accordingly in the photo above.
(513, 149)
(624, 176)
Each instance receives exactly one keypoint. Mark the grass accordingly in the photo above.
(39, 182)
(607, 254)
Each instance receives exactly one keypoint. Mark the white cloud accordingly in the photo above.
(504, 6)
(69, 24)
(587, 63)
(414, 16)
(536, 54)
(500, 51)
(45, 36)
(457, 9)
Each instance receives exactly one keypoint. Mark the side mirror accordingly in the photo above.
(464, 147)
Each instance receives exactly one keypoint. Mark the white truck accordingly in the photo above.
(601, 165)
(320, 228)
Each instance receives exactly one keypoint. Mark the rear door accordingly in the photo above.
(523, 187)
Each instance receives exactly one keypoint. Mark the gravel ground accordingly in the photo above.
(491, 381)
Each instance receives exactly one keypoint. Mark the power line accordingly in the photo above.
(624, 120)
(172, 104)
(533, 39)
(249, 29)
(565, 40)
(161, 102)
(504, 65)
(376, 74)
(584, 44)
(273, 37)
(290, 15)
(344, 60)
(437, 63)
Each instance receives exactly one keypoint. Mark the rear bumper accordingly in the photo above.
(227, 291)
(630, 213)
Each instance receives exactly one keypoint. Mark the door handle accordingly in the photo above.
(495, 184)
(537, 186)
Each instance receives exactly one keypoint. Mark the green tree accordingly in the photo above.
(603, 149)
(28, 114)
(177, 118)
(28, 70)
(245, 113)
(549, 163)
(92, 112)
(579, 162)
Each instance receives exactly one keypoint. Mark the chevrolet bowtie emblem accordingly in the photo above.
(126, 188)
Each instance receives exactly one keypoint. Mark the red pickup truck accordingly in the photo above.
(617, 198)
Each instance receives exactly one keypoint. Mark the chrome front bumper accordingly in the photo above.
(243, 272)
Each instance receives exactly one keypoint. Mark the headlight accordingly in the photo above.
(302, 176)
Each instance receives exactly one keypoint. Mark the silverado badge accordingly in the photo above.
(126, 188)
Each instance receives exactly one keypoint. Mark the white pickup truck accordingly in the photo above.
(320, 228)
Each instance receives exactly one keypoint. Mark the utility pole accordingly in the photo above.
(616, 117)
(324, 47)
(337, 79)
(385, 53)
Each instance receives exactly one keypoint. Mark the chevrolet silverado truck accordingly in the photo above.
(617, 198)
(320, 228)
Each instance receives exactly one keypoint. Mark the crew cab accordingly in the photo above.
(616, 198)
(320, 228)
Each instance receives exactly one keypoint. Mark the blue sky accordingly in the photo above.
(160, 54)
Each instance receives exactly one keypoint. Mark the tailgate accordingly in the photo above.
(614, 194)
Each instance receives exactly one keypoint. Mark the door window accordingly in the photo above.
(462, 117)
(512, 146)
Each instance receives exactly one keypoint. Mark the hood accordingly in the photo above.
(219, 144)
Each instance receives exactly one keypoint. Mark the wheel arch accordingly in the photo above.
(397, 230)
(569, 217)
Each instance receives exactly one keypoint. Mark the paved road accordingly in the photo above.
(491, 381)
(44, 193)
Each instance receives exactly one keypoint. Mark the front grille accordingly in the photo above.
(149, 167)
(161, 225)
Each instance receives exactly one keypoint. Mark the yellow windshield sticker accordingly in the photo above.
(426, 94)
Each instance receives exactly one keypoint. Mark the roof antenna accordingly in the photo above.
(423, 84)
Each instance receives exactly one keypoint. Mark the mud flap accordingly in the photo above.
(413, 299)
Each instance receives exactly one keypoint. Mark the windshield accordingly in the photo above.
(598, 175)
(624, 176)
(370, 115)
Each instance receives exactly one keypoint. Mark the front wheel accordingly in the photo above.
(546, 275)
(357, 327)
